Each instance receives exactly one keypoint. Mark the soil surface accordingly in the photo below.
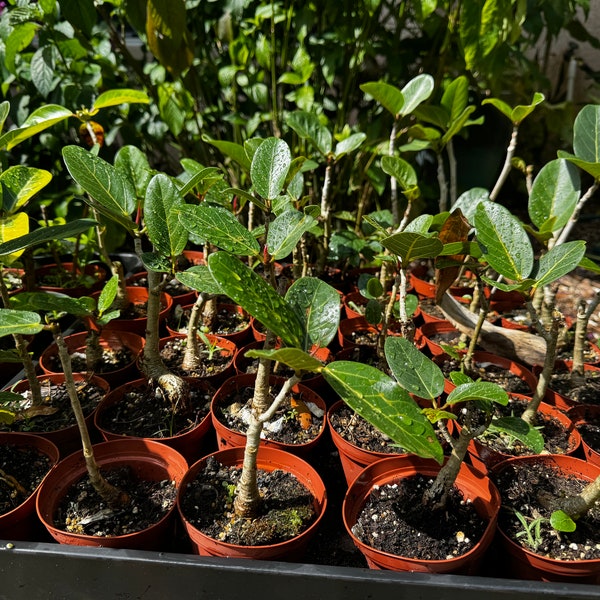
(83, 511)
(21, 471)
(287, 508)
(535, 490)
(226, 321)
(396, 520)
(112, 359)
(147, 412)
(589, 393)
(173, 352)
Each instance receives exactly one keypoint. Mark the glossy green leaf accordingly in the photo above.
(389, 96)
(559, 261)
(116, 97)
(455, 97)
(420, 224)
(285, 232)
(220, 226)
(309, 127)
(413, 370)
(269, 167)
(478, 390)
(19, 184)
(400, 170)
(54, 303)
(47, 234)
(349, 144)
(373, 312)
(468, 201)
(503, 241)
(108, 294)
(561, 521)
(589, 264)
(110, 191)
(554, 194)
(200, 279)
(593, 168)
(134, 165)
(292, 357)
(38, 121)
(232, 150)
(409, 246)
(257, 297)
(156, 262)
(201, 181)
(4, 110)
(382, 402)
(520, 430)
(416, 91)
(517, 114)
(317, 306)
(161, 207)
(19, 322)
(586, 134)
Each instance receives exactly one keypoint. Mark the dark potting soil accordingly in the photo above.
(226, 321)
(535, 490)
(173, 351)
(83, 511)
(589, 393)
(173, 287)
(290, 425)
(287, 507)
(112, 360)
(21, 471)
(556, 436)
(590, 433)
(396, 520)
(55, 412)
(147, 412)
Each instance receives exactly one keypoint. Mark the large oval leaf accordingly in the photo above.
(13, 227)
(200, 279)
(478, 390)
(269, 168)
(21, 322)
(37, 121)
(413, 370)
(220, 227)
(586, 134)
(389, 96)
(19, 184)
(400, 170)
(559, 261)
(285, 232)
(554, 194)
(382, 402)
(134, 165)
(409, 246)
(292, 357)
(417, 90)
(308, 126)
(161, 218)
(317, 306)
(110, 191)
(256, 296)
(116, 97)
(503, 241)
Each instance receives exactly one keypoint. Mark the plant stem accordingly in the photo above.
(393, 180)
(112, 495)
(452, 169)
(325, 216)
(576, 506)
(584, 314)
(442, 183)
(566, 230)
(191, 357)
(510, 152)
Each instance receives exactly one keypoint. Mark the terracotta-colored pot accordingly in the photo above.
(115, 340)
(13, 279)
(96, 271)
(353, 458)
(190, 443)
(227, 437)
(483, 457)
(137, 295)
(147, 459)
(21, 522)
(238, 337)
(183, 298)
(66, 439)
(348, 327)
(227, 349)
(268, 459)
(474, 485)
(561, 401)
(314, 381)
(525, 564)
(429, 330)
(586, 418)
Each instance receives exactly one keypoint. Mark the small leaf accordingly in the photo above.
(232, 150)
(410, 246)
(108, 294)
(416, 91)
(478, 390)
(586, 133)
(200, 279)
(38, 121)
(559, 261)
(520, 430)
(292, 357)
(285, 232)
(400, 170)
(561, 521)
(308, 126)
(116, 97)
(389, 96)
(349, 144)
(54, 303)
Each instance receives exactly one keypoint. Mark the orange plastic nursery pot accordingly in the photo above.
(227, 437)
(190, 443)
(94, 272)
(268, 459)
(474, 485)
(109, 340)
(523, 563)
(66, 439)
(147, 460)
(21, 522)
(586, 420)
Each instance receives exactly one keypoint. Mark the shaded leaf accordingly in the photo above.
(19, 322)
(409, 246)
(292, 357)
